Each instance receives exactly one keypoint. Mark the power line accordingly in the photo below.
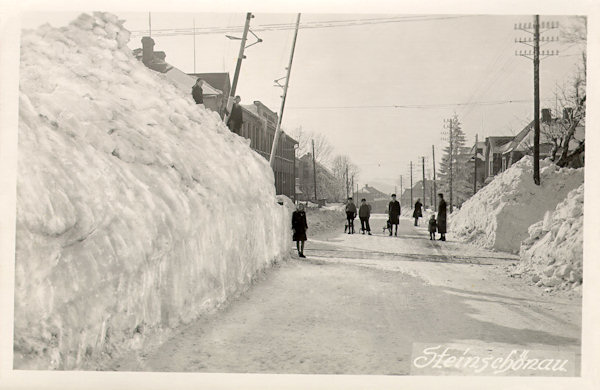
(415, 106)
(290, 26)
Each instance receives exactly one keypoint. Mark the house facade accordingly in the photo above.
(259, 125)
(477, 160)
(378, 200)
(259, 121)
(326, 181)
(493, 155)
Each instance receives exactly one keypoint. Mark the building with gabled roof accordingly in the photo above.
(494, 147)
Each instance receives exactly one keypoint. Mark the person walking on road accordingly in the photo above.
(441, 217)
(394, 214)
(350, 215)
(299, 227)
(235, 119)
(418, 213)
(364, 213)
(197, 93)
(432, 227)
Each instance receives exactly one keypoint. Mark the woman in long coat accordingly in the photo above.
(418, 213)
(299, 227)
(441, 218)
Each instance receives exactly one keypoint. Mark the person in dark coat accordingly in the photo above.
(299, 227)
(418, 213)
(364, 213)
(197, 93)
(441, 217)
(432, 227)
(350, 215)
(394, 214)
(235, 119)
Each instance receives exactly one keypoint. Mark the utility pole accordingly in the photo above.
(352, 186)
(424, 182)
(285, 88)
(450, 125)
(536, 78)
(536, 102)
(149, 24)
(411, 187)
(347, 181)
(314, 170)
(434, 183)
(475, 173)
(401, 190)
(238, 66)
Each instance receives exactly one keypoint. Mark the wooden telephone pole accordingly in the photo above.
(314, 170)
(285, 88)
(536, 78)
(411, 187)
(423, 182)
(434, 183)
(238, 66)
(475, 169)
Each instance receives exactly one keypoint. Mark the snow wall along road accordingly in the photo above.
(499, 215)
(137, 210)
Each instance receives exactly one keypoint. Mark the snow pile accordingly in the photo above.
(499, 215)
(326, 221)
(553, 253)
(137, 210)
(335, 207)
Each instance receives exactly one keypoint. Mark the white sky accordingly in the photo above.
(439, 61)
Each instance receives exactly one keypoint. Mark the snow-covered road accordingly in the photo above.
(358, 304)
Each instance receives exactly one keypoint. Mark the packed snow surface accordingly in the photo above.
(137, 209)
(553, 253)
(499, 215)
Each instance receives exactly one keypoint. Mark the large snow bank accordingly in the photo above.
(137, 210)
(499, 215)
(553, 253)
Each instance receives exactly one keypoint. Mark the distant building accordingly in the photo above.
(378, 200)
(478, 157)
(259, 125)
(326, 181)
(493, 155)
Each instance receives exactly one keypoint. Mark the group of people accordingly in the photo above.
(234, 122)
(364, 213)
(438, 225)
(299, 224)
(394, 212)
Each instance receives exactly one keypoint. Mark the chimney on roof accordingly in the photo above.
(546, 115)
(147, 49)
(567, 113)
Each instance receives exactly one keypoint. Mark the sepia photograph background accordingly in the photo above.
(379, 163)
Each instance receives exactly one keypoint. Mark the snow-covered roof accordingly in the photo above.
(495, 143)
(186, 82)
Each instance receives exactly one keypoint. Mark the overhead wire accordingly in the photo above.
(291, 26)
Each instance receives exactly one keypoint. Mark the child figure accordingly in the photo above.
(432, 227)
